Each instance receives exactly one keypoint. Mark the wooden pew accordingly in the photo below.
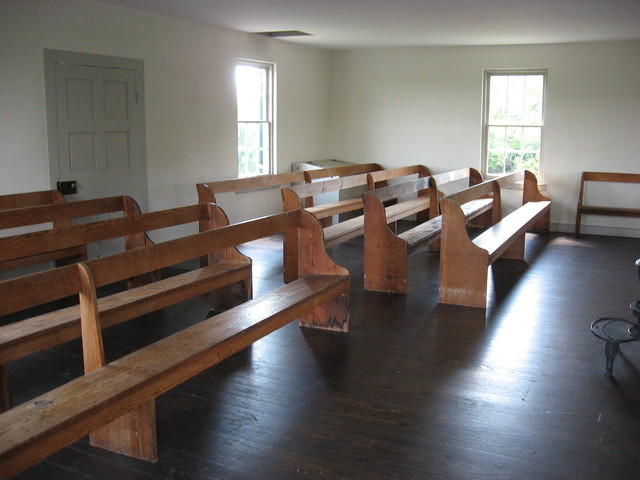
(464, 262)
(386, 252)
(132, 227)
(114, 403)
(602, 210)
(30, 199)
(61, 215)
(230, 273)
(207, 191)
(300, 196)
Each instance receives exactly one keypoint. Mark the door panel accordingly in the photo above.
(98, 129)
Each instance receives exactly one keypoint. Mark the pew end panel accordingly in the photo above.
(134, 433)
(231, 295)
(531, 193)
(463, 265)
(314, 260)
(385, 255)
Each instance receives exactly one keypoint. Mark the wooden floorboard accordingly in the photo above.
(414, 390)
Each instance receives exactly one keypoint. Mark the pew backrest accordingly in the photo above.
(382, 177)
(207, 191)
(133, 228)
(30, 199)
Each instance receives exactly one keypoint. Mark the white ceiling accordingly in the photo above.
(376, 23)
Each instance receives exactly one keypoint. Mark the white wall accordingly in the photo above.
(399, 106)
(393, 106)
(190, 95)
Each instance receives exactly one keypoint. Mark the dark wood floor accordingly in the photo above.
(414, 390)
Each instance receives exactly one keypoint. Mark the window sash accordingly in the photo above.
(487, 125)
(249, 155)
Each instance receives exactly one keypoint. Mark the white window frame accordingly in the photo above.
(485, 113)
(270, 68)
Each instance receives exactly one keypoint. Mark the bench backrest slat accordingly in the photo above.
(487, 187)
(63, 211)
(407, 188)
(38, 288)
(611, 177)
(334, 185)
(207, 190)
(454, 175)
(18, 246)
(30, 199)
(343, 171)
(254, 183)
(384, 175)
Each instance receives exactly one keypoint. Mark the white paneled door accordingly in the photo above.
(95, 116)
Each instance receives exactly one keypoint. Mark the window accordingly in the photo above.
(254, 91)
(512, 121)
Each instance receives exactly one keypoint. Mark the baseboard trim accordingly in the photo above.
(629, 232)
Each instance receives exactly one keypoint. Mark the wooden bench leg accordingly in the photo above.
(5, 394)
(133, 434)
(542, 224)
(435, 245)
(290, 252)
(228, 297)
(515, 251)
(333, 315)
(386, 264)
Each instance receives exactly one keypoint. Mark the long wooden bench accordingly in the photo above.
(115, 402)
(30, 199)
(229, 274)
(60, 215)
(464, 262)
(301, 196)
(583, 209)
(386, 252)
(207, 191)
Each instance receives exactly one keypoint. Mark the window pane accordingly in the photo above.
(515, 99)
(513, 149)
(533, 99)
(251, 88)
(498, 99)
(531, 149)
(253, 149)
(495, 150)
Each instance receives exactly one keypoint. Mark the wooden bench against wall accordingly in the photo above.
(464, 262)
(229, 274)
(602, 210)
(299, 196)
(115, 402)
(386, 252)
(60, 215)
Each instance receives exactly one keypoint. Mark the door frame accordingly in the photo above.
(53, 57)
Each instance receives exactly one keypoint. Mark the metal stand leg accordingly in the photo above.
(610, 351)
